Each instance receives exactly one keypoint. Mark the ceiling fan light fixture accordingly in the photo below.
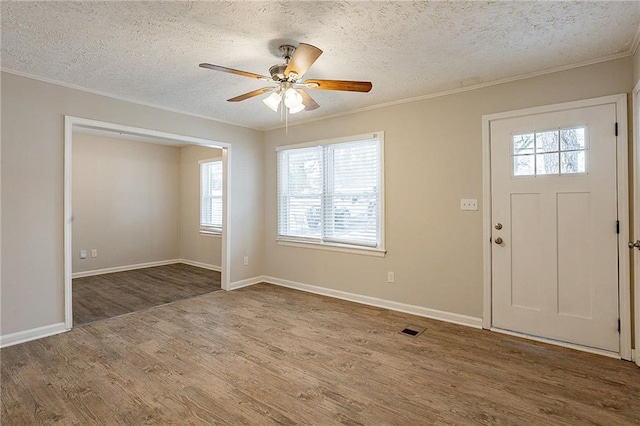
(287, 93)
(297, 109)
(273, 101)
(292, 99)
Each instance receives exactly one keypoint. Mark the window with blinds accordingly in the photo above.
(331, 192)
(211, 196)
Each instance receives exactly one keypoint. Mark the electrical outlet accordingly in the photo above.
(245, 261)
(469, 204)
(391, 277)
(83, 254)
(94, 253)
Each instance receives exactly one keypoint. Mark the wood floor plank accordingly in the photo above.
(270, 355)
(109, 295)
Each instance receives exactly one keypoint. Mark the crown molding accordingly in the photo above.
(461, 89)
(630, 52)
(120, 98)
(636, 42)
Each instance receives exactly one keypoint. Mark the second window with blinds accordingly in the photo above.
(330, 193)
(211, 196)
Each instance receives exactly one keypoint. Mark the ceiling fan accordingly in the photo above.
(288, 89)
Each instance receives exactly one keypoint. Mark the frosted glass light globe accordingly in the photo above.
(292, 99)
(273, 101)
(297, 109)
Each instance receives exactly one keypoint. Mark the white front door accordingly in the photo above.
(554, 237)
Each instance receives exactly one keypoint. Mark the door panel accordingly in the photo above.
(573, 247)
(553, 178)
(525, 232)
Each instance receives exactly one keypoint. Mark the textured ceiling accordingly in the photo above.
(150, 51)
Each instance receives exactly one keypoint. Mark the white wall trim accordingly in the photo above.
(624, 271)
(381, 303)
(119, 98)
(486, 224)
(71, 122)
(227, 205)
(201, 265)
(68, 220)
(460, 90)
(123, 268)
(32, 334)
(636, 209)
(135, 266)
(362, 251)
(636, 42)
(246, 282)
(620, 101)
(559, 343)
(603, 100)
(613, 57)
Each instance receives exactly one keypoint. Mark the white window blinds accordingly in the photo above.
(211, 196)
(331, 193)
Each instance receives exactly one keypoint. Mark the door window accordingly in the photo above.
(553, 152)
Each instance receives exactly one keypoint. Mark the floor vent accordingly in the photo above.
(412, 330)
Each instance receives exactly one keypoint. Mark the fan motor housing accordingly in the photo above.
(277, 72)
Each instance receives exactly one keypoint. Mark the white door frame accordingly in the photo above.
(624, 286)
(635, 95)
(70, 123)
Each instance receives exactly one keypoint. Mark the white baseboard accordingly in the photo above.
(125, 268)
(246, 283)
(201, 265)
(32, 334)
(381, 303)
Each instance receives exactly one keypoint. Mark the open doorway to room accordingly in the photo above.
(145, 216)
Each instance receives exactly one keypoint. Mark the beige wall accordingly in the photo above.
(126, 198)
(194, 245)
(32, 284)
(433, 158)
(138, 202)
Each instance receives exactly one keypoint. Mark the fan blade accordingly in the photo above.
(307, 101)
(251, 94)
(302, 59)
(347, 86)
(237, 72)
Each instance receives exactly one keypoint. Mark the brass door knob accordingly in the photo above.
(498, 240)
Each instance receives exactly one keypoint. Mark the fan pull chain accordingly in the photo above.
(282, 107)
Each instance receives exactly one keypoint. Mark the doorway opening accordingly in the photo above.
(91, 261)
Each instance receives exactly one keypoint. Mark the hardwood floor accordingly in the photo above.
(109, 295)
(270, 355)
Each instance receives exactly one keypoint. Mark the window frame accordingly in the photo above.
(560, 151)
(209, 229)
(329, 243)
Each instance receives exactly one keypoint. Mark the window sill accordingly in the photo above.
(364, 251)
(211, 233)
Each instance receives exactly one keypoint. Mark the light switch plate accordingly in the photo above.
(469, 204)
